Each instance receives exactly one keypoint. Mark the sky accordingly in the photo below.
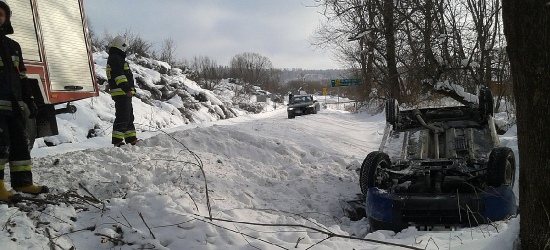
(279, 30)
(257, 168)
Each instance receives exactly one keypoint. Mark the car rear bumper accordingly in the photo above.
(398, 211)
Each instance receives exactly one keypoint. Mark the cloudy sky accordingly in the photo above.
(279, 30)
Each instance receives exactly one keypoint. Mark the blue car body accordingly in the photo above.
(438, 167)
(398, 211)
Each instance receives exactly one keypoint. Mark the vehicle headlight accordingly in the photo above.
(311, 106)
(290, 109)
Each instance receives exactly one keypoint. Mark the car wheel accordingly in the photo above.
(485, 101)
(501, 168)
(290, 116)
(370, 174)
(392, 111)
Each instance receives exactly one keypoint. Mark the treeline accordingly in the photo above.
(407, 49)
(246, 69)
(401, 49)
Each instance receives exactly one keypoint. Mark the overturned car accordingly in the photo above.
(439, 167)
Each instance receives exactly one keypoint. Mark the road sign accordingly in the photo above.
(324, 90)
(345, 82)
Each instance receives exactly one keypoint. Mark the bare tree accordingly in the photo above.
(105, 42)
(94, 38)
(251, 68)
(274, 80)
(528, 36)
(410, 43)
(351, 32)
(206, 72)
(391, 60)
(168, 51)
(136, 44)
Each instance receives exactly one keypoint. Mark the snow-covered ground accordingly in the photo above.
(201, 181)
(272, 183)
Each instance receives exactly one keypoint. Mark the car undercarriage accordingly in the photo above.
(438, 166)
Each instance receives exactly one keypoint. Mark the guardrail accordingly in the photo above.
(347, 106)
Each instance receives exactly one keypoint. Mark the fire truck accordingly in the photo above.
(57, 52)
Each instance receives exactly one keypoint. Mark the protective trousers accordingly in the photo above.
(15, 150)
(123, 127)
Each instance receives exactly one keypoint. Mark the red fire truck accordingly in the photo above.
(57, 52)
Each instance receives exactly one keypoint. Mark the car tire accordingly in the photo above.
(369, 175)
(392, 111)
(290, 116)
(501, 168)
(485, 102)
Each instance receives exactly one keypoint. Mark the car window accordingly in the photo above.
(298, 99)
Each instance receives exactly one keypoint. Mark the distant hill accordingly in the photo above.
(312, 75)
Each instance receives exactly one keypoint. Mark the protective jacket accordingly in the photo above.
(14, 87)
(119, 75)
(14, 90)
(121, 80)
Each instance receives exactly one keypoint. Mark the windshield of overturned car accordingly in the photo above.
(299, 99)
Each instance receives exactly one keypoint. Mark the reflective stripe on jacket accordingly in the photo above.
(6, 105)
(12, 71)
(119, 75)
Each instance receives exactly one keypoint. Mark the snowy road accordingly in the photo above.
(261, 169)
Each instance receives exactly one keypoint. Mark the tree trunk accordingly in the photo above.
(389, 34)
(527, 31)
(369, 69)
(363, 57)
(430, 63)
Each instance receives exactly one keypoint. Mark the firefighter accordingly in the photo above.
(15, 96)
(121, 85)
(290, 95)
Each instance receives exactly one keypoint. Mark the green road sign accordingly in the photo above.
(345, 82)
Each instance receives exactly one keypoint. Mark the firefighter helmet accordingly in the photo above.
(120, 43)
(7, 24)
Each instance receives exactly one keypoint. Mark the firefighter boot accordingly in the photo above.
(33, 189)
(136, 141)
(5, 195)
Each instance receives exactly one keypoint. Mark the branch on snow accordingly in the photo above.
(323, 231)
(151, 232)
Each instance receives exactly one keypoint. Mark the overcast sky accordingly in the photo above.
(277, 29)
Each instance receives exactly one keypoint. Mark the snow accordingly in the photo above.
(272, 183)
(259, 168)
(458, 89)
